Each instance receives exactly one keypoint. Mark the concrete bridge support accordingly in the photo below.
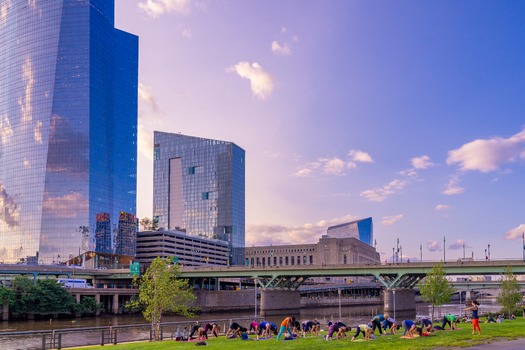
(5, 312)
(280, 302)
(400, 303)
(115, 305)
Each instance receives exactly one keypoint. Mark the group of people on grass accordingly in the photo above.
(291, 328)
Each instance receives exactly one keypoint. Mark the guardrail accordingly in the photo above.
(75, 337)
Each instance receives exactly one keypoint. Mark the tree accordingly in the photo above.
(148, 224)
(510, 293)
(6, 296)
(161, 291)
(435, 288)
(44, 297)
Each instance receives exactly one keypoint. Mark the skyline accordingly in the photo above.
(407, 112)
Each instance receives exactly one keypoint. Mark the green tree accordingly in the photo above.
(88, 305)
(44, 297)
(149, 225)
(6, 296)
(161, 291)
(435, 288)
(510, 294)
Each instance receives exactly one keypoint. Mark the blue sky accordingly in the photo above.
(411, 112)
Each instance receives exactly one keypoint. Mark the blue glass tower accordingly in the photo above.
(199, 187)
(361, 229)
(68, 130)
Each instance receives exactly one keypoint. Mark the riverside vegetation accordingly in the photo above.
(490, 332)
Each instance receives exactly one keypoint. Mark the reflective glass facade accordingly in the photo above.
(68, 129)
(199, 187)
(361, 229)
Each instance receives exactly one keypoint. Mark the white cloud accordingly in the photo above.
(360, 156)
(277, 234)
(389, 220)
(487, 155)
(156, 8)
(433, 246)
(283, 29)
(458, 244)
(453, 187)
(260, 81)
(380, 194)
(334, 166)
(422, 162)
(516, 232)
(284, 50)
(442, 207)
(303, 172)
(145, 142)
(5, 129)
(67, 206)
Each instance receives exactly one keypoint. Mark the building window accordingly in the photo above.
(293, 260)
(252, 261)
(156, 152)
(311, 260)
(258, 262)
(274, 260)
(280, 260)
(205, 196)
(286, 260)
(304, 260)
(298, 260)
(269, 261)
(191, 170)
(344, 259)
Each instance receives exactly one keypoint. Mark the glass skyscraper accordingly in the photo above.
(199, 187)
(68, 130)
(361, 229)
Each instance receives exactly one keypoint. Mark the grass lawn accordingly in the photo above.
(509, 329)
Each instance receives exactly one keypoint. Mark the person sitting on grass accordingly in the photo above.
(365, 329)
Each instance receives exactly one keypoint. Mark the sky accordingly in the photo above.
(409, 112)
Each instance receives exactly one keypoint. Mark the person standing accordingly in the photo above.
(285, 327)
(475, 316)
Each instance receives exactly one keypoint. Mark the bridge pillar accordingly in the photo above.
(280, 302)
(400, 303)
(114, 308)
(5, 312)
(97, 300)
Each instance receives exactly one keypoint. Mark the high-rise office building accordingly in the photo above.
(199, 188)
(362, 229)
(68, 130)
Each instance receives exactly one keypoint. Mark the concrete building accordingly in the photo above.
(199, 188)
(189, 250)
(327, 251)
(68, 131)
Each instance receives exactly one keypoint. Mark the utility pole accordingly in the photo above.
(444, 256)
(421, 253)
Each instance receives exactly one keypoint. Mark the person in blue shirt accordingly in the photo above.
(390, 324)
(426, 325)
(409, 327)
(475, 317)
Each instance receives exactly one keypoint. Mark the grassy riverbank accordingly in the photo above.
(509, 329)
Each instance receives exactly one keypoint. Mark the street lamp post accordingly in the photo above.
(489, 251)
(339, 292)
(444, 249)
(255, 287)
(393, 254)
(421, 252)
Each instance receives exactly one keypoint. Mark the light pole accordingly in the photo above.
(523, 241)
(489, 251)
(463, 250)
(339, 292)
(394, 294)
(444, 249)
(421, 252)
(255, 287)
(486, 256)
(393, 254)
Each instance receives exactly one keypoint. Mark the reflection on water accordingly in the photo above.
(349, 314)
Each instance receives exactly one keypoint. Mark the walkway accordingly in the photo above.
(518, 344)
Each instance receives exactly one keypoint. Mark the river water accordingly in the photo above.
(351, 315)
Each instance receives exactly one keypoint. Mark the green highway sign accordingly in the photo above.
(134, 269)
